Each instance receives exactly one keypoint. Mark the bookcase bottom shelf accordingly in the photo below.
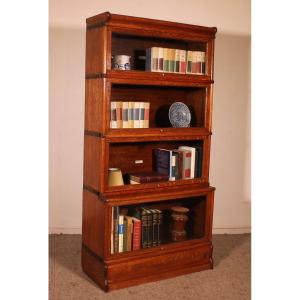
(122, 273)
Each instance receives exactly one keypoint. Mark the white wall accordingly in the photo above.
(230, 159)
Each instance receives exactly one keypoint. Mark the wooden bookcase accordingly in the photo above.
(108, 34)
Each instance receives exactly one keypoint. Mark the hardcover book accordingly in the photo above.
(193, 152)
(163, 162)
(144, 220)
(160, 59)
(154, 227)
(121, 232)
(125, 114)
(145, 177)
(130, 115)
(137, 231)
(159, 226)
(150, 228)
(186, 164)
(129, 235)
(182, 65)
(146, 115)
(136, 115)
(113, 114)
(177, 60)
(142, 114)
(119, 114)
(166, 59)
(116, 229)
(189, 61)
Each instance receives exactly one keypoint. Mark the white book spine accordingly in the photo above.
(136, 115)
(121, 232)
(113, 114)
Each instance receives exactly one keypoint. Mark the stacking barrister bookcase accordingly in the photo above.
(131, 149)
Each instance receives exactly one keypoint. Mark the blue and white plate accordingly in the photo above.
(179, 115)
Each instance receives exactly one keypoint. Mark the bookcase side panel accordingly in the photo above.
(94, 96)
(93, 223)
(96, 50)
(91, 167)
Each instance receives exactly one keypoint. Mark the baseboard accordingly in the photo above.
(77, 230)
(63, 230)
(234, 230)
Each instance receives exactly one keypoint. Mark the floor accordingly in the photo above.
(230, 279)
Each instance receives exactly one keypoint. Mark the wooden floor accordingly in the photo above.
(230, 278)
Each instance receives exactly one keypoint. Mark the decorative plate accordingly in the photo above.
(179, 115)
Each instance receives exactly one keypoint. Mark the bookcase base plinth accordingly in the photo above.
(122, 273)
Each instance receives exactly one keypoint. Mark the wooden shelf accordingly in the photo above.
(154, 78)
(148, 134)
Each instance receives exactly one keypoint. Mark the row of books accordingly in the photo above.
(175, 60)
(129, 114)
(131, 233)
(182, 163)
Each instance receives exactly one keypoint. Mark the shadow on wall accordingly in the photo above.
(230, 157)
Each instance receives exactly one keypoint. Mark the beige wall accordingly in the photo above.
(230, 160)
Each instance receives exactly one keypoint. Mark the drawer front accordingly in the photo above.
(148, 266)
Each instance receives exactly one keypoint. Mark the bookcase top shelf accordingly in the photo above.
(121, 21)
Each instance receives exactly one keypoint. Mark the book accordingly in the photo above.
(179, 159)
(112, 231)
(177, 61)
(121, 232)
(129, 233)
(189, 61)
(146, 114)
(144, 220)
(116, 229)
(172, 60)
(154, 227)
(119, 114)
(142, 114)
(163, 162)
(160, 59)
(198, 161)
(130, 114)
(125, 233)
(172, 176)
(198, 62)
(150, 228)
(194, 62)
(145, 177)
(193, 152)
(166, 60)
(182, 64)
(159, 226)
(136, 236)
(136, 115)
(152, 59)
(113, 114)
(186, 163)
(125, 123)
(203, 63)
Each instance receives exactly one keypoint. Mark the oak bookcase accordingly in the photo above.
(108, 34)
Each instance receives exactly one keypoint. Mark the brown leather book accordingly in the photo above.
(145, 177)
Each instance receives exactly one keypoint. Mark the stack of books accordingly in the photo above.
(141, 230)
(182, 163)
(129, 114)
(175, 61)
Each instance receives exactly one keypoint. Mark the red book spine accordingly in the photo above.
(136, 240)
(187, 171)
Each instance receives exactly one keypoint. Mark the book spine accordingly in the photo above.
(160, 59)
(145, 179)
(162, 161)
(189, 61)
(142, 114)
(113, 114)
(130, 114)
(116, 229)
(129, 234)
(148, 66)
(121, 232)
(112, 231)
(177, 61)
(155, 59)
(172, 166)
(119, 114)
(198, 62)
(194, 62)
(193, 157)
(176, 170)
(125, 233)
(154, 227)
(172, 60)
(125, 114)
(144, 219)
(150, 229)
(180, 164)
(182, 65)
(166, 61)
(147, 114)
(159, 227)
(136, 239)
(186, 174)
(136, 115)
